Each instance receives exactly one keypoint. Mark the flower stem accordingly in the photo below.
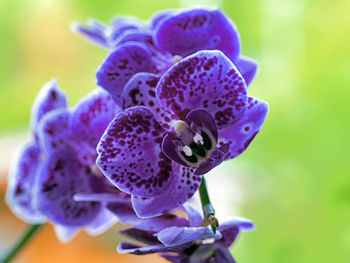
(208, 209)
(20, 244)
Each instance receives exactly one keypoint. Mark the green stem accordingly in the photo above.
(208, 209)
(20, 244)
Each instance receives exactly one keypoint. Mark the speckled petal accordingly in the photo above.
(174, 236)
(247, 67)
(20, 181)
(141, 91)
(181, 189)
(127, 215)
(121, 65)
(61, 176)
(205, 80)
(241, 134)
(54, 132)
(130, 155)
(91, 116)
(94, 31)
(50, 97)
(188, 31)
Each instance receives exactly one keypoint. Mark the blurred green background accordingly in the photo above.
(294, 180)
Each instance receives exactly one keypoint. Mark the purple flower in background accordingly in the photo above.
(153, 48)
(187, 242)
(59, 163)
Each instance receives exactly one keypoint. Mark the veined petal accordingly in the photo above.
(50, 97)
(127, 215)
(205, 80)
(121, 65)
(130, 154)
(174, 236)
(61, 176)
(91, 116)
(188, 31)
(182, 188)
(241, 134)
(20, 181)
(248, 68)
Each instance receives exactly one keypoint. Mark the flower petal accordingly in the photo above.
(65, 233)
(230, 229)
(129, 248)
(50, 97)
(241, 134)
(91, 116)
(122, 24)
(135, 35)
(194, 215)
(205, 80)
(191, 30)
(61, 176)
(101, 223)
(121, 65)
(130, 155)
(157, 18)
(54, 132)
(127, 215)
(181, 189)
(248, 68)
(174, 236)
(146, 237)
(20, 182)
(94, 32)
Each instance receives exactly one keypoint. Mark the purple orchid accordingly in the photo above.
(189, 120)
(59, 164)
(170, 35)
(186, 242)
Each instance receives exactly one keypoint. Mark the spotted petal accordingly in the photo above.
(205, 80)
(247, 67)
(92, 115)
(127, 215)
(20, 182)
(141, 91)
(61, 176)
(181, 189)
(50, 97)
(241, 134)
(121, 65)
(130, 155)
(54, 132)
(191, 30)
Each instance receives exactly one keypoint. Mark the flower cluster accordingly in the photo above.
(171, 106)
